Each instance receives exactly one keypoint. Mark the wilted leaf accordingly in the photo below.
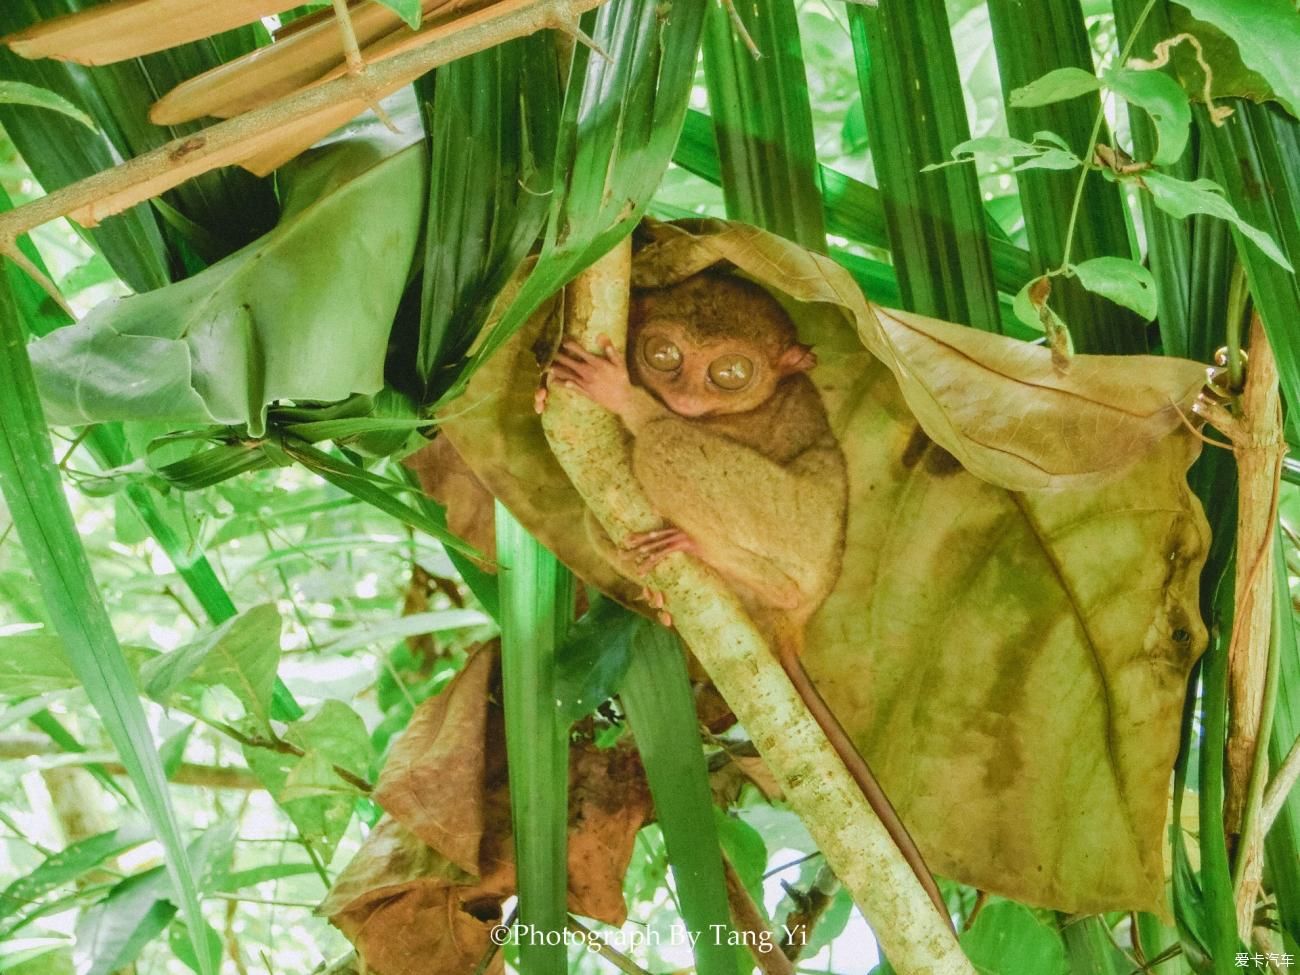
(446, 782)
(1266, 34)
(1123, 281)
(115, 32)
(445, 477)
(1027, 646)
(397, 904)
(301, 314)
(437, 766)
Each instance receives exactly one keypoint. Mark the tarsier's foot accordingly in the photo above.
(655, 599)
(648, 549)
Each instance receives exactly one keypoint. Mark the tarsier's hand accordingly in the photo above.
(602, 378)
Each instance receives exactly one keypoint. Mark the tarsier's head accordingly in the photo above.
(712, 344)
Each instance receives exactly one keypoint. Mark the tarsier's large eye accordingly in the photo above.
(731, 371)
(661, 354)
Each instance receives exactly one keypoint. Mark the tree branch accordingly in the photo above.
(589, 444)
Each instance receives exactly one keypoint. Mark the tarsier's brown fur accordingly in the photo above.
(750, 480)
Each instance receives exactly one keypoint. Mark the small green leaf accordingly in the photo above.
(69, 864)
(1008, 939)
(1160, 97)
(993, 145)
(21, 93)
(1024, 309)
(178, 936)
(591, 662)
(37, 663)
(1181, 198)
(314, 797)
(1050, 159)
(745, 849)
(242, 655)
(1123, 281)
(408, 10)
(1055, 86)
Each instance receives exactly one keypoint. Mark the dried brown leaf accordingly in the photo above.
(1013, 629)
(433, 781)
(124, 29)
(300, 59)
(445, 477)
(396, 902)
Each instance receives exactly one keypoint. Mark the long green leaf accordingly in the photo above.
(853, 209)
(536, 606)
(1216, 878)
(623, 111)
(938, 237)
(1048, 197)
(762, 118)
(1282, 844)
(656, 694)
(107, 443)
(492, 149)
(34, 494)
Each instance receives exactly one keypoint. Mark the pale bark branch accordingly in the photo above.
(589, 444)
(18, 746)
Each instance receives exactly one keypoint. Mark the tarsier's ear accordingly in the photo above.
(797, 358)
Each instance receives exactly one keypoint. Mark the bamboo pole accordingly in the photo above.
(589, 444)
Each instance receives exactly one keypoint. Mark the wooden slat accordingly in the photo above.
(126, 29)
(262, 76)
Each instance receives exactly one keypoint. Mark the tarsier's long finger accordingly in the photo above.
(540, 397)
(607, 347)
(653, 597)
(636, 539)
(576, 351)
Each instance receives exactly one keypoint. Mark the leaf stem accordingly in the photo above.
(1096, 131)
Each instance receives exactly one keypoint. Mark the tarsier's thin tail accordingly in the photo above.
(788, 648)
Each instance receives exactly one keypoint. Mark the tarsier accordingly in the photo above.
(733, 447)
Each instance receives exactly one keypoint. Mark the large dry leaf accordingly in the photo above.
(397, 902)
(438, 762)
(434, 872)
(1013, 645)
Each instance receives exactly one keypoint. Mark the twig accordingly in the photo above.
(1279, 789)
(237, 139)
(612, 955)
(758, 936)
(356, 63)
(741, 30)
